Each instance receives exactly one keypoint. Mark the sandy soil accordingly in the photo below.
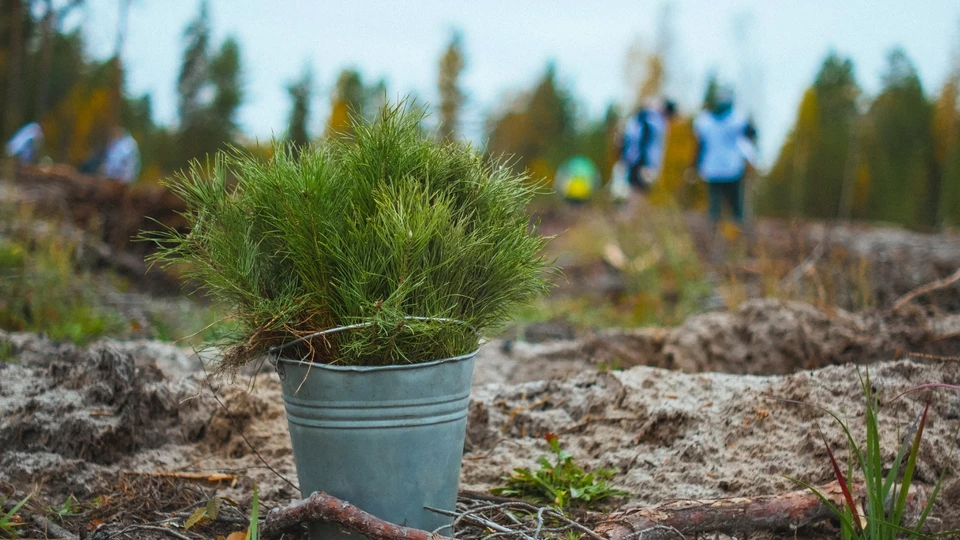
(73, 419)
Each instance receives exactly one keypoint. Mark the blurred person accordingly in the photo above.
(725, 145)
(26, 143)
(121, 161)
(643, 143)
(577, 179)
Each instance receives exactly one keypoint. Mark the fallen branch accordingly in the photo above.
(924, 289)
(675, 519)
(328, 509)
(51, 529)
(735, 515)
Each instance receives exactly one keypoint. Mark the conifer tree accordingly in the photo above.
(452, 97)
(194, 70)
(351, 95)
(946, 132)
(900, 149)
(537, 127)
(210, 91)
(16, 16)
(301, 92)
(814, 162)
(226, 79)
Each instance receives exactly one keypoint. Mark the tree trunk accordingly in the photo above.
(12, 115)
(43, 73)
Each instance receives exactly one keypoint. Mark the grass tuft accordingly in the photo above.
(882, 516)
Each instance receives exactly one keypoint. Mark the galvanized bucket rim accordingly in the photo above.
(273, 354)
(392, 367)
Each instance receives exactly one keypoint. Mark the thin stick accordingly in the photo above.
(236, 425)
(935, 356)
(206, 477)
(928, 288)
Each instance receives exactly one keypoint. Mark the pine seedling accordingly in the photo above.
(425, 244)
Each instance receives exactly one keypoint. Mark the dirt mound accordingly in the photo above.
(78, 419)
(765, 337)
(116, 210)
(95, 405)
(846, 262)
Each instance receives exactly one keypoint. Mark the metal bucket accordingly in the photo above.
(388, 440)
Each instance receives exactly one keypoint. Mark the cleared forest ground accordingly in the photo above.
(671, 370)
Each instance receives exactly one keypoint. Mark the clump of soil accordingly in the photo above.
(115, 210)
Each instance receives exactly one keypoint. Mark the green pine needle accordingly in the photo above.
(378, 228)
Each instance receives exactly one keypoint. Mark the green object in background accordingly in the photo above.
(577, 179)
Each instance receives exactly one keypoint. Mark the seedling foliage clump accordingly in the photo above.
(426, 244)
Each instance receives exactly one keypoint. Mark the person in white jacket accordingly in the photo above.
(723, 139)
(122, 158)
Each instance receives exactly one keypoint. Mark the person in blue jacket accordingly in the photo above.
(644, 141)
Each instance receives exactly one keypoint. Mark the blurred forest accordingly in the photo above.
(892, 157)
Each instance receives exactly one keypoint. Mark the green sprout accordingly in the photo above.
(70, 506)
(253, 532)
(8, 526)
(560, 482)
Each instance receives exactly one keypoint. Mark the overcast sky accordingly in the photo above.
(509, 42)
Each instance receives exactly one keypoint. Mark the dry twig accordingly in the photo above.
(204, 477)
(787, 511)
(924, 289)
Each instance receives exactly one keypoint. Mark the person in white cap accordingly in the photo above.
(26, 143)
